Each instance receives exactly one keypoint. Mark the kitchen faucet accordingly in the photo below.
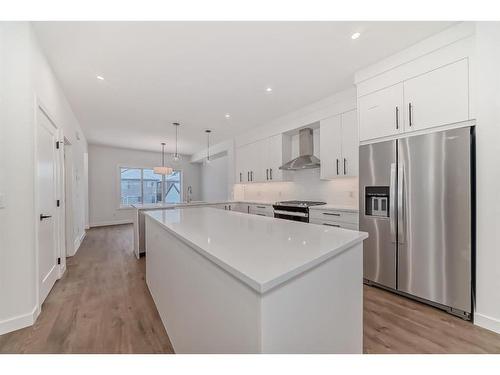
(189, 193)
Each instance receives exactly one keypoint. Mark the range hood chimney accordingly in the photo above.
(306, 159)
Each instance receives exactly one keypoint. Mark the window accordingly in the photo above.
(142, 185)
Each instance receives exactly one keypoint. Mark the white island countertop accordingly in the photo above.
(262, 252)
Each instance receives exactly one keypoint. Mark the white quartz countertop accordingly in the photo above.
(262, 252)
(155, 206)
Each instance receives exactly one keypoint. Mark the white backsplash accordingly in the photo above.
(306, 185)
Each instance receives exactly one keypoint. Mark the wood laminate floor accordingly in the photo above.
(102, 305)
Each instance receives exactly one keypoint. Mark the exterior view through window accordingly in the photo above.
(142, 185)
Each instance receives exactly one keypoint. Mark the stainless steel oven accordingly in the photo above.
(294, 210)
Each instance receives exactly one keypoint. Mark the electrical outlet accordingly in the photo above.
(2, 200)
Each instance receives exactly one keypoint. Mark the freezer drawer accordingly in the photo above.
(434, 217)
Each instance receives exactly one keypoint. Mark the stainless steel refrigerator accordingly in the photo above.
(416, 197)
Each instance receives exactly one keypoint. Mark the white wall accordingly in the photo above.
(488, 174)
(214, 179)
(104, 191)
(24, 76)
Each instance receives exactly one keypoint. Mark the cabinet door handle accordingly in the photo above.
(337, 167)
(240, 176)
(42, 216)
(267, 174)
(410, 114)
(260, 206)
(331, 213)
(345, 169)
(332, 225)
(251, 176)
(397, 117)
(248, 176)
(270, 173)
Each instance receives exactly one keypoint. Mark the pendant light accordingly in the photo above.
(208, 131)
(176, 156)
(163, 170)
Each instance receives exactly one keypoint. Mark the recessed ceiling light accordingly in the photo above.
(227, 115)
(355, 35)
(269, 89)
(100, 77)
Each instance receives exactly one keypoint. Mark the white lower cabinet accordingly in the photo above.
(334, 218)
(261, 209)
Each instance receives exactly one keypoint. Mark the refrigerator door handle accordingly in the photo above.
(401, 203)
(392, 203)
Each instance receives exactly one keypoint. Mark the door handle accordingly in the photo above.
(410, 108)
(397, 117)
(345, 169)
(42, 216)
(392, 203)
(337, 167)
(401, 203)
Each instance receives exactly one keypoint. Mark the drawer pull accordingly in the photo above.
(332, 225)
(261, 206)
(331, 213)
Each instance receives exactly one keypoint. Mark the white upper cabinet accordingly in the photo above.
(438, 97)
(380, 113)
(275, 149)
(330, 147)
(350, 144)
(260, 161)
(339, 146)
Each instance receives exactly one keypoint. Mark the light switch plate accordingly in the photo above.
(2, 200)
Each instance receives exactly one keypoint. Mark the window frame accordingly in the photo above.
(163, 185)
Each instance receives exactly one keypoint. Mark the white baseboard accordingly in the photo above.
(487, 322)
(113, 222)
(20, 321)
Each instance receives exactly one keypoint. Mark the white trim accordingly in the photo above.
(487, 322)
(111, 222)
(78, 242)
(407, 134)
(20, 321)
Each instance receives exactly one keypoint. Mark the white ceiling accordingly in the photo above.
(196, 72)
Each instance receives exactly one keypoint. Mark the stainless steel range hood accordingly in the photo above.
(306, 159)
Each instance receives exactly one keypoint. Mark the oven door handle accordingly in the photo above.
(291, 213)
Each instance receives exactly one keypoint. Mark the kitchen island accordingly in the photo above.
(228, 282)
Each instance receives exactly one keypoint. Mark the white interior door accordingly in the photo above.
(47, 229)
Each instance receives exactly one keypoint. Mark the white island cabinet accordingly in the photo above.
(228, 282)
